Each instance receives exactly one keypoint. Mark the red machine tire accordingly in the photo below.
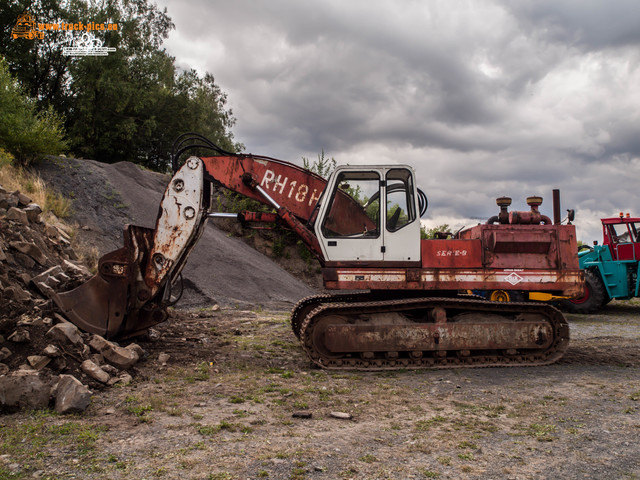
(594, 295)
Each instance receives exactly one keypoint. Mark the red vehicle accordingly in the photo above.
(611, 269)
(363, 226)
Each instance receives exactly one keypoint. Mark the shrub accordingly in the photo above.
(24, 132)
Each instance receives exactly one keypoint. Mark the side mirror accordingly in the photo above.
(571, 215)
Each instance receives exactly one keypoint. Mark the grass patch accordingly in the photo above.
(16, 178)
(490, 411)
(368, 458)
(139, 410)
(57, 204)
(424, 425)
(466, 444)
(429, 473)
(30, 438)
(211, 430)
(542, 432)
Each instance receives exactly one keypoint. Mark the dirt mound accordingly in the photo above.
(221, 269)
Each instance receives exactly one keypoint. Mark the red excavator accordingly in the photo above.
(402, 306)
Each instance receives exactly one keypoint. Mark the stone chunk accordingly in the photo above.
(4, 353)
(25, 389)
(27, 320)
(122, 358)
(94, 371)
(30, 249)
(71, 395)
(7, 201)
(134, 347)
(46, 276)
(38, 362)
(65, 332)
(17, 215)
(16, 293)
(163, 358)
(301, 415)
(23, 199)
(51, 351)
(123, 379)
(4, 369)
(74, 269)
(21, 335)
(33, 212)
(110, 369)
(25, 260)
(51, 231)
(341, 415)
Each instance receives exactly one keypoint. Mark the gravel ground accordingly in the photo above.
(227, 405)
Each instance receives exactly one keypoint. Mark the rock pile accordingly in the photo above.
(44, 359)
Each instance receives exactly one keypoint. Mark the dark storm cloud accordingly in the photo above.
(484, 98)
(592, 25)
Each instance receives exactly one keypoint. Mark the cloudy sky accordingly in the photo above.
(483, 98)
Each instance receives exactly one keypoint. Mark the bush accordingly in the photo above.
(24, 132)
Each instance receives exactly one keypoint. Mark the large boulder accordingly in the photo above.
(71, 395)
(25, 389)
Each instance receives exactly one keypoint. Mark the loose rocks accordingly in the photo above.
(39, 349)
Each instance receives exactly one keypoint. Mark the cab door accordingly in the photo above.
(349, 223)
(401, 217)
(621, 242)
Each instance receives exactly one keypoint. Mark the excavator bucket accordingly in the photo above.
(131, 290)
(103, 305)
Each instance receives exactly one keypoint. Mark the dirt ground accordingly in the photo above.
(229, 402)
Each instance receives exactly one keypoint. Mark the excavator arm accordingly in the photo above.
(131, 289)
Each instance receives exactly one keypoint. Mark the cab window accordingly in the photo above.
(355, 207)
(635, 231)
(400, 206)
(619, 233)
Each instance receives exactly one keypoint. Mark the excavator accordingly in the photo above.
(402, 302)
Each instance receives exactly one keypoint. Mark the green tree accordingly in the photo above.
(24, 131)
(39, 65)
(128, 105)
(426, 233)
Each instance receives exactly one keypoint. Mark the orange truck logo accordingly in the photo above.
(26, 27)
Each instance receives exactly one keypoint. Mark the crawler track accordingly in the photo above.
(310, 303)
(357, 333)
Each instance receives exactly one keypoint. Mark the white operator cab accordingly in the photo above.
(370, 213)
